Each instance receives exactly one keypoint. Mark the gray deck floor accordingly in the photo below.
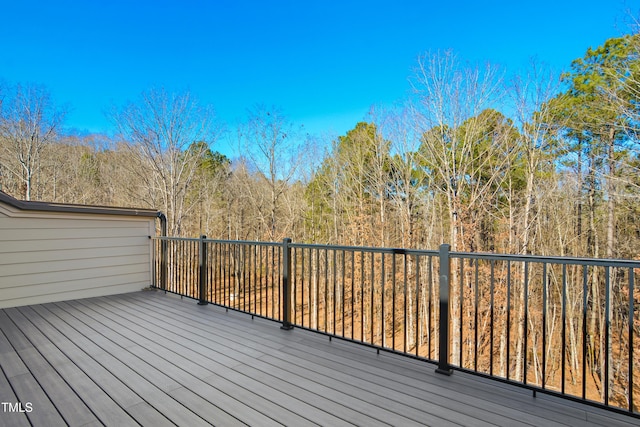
(154, 359)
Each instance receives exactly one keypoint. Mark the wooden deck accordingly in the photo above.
(154, 359)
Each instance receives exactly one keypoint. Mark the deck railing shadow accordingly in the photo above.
(557, 325)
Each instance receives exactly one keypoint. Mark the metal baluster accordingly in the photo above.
(491, 307)
(545, 289)
(461, 310)
(417, 338)
(476, 304)
(585, 305)
(430, 307)
(607, 332)
(564, 326)
(406, 332)
(353, 290)
(362, 296)
(526, 320)
(372, 281)
(631, 334)
(384, 332)
(508, 318)
(393, 300)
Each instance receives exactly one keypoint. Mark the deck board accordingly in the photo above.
(116, 404)
(232, 382)
(165, 359)
(249, 383)
(70, 405)
(156, 359)
(366, 404)
(318, 344)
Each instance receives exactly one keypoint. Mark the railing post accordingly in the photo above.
(443, 351)
(286, 291)
(164, 249)
(202, 277)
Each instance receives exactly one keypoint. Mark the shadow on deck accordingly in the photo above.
(151, 358)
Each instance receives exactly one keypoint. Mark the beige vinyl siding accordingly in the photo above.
(8, 211)
(51, 256)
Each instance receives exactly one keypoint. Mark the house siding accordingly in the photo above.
(55, 256)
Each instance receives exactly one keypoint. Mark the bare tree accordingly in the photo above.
(29, 120)
(160, 130)
(534, 117)
(406, 180)
(464, 143)
(467, 147)
(271, 143)
(538, 127)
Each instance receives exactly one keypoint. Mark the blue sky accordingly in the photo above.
(323, 63)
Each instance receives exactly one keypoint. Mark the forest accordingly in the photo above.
(537, 163)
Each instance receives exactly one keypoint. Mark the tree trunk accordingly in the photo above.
(611, 194)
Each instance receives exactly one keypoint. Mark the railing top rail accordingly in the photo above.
(424, 252)
(243, 242)
(549, 259)
(186, 239)
(366, 249)
(233, 242)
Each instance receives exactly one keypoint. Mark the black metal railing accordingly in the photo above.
(243, 276)
(385, 298)
(564, 326)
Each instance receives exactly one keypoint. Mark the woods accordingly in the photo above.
(534, 163)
